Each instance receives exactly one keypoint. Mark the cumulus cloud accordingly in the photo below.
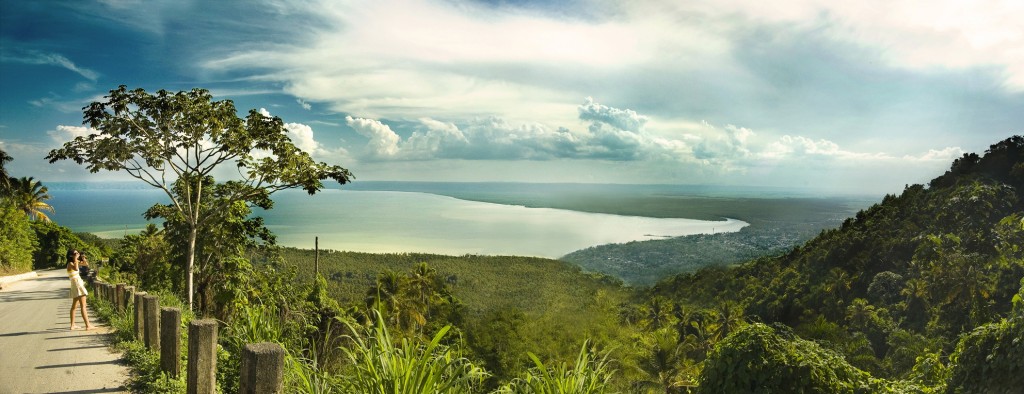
(304, 138)
(306, 106)
(64, 133)
(383, 142)
(729, 145)
(613, 134)
(627, 119)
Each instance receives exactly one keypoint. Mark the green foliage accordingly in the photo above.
(147, 257)
(29, 195)
(763, 359)
(990, 359)
(381, 364)
(588, 375)
(173, 141)
(17, 240)
(54, 241)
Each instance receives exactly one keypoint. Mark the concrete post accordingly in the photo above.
(262, 369)
(170, 341)
(202, 357)
(129, 296)
(152, 326)
(119, 297)
(140, 317)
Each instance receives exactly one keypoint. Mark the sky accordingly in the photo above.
(857, 97)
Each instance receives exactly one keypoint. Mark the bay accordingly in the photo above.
(390, 221)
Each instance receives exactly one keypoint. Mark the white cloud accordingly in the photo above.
(306, 106)
(383, 142)
(945, 155)
(908, 33)
(627, 119)
(64, 133)
(44, 58)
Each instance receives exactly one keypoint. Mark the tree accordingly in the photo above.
(5, 178)
(30, 196)
(17, 240)
(166, 137)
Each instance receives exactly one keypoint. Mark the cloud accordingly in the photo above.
(64, 133)
(945, 155)
(614, 134)
(627, 119)
(306, 106)
(16, 55)
(383, 142)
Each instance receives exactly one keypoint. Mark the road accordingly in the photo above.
(39, 354)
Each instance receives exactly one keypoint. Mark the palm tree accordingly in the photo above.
(729, 318)
(30, 196)
(5, 178)
(391, 297)
(658, 313)
(664, 362)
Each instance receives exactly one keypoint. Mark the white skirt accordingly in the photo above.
(77, 287)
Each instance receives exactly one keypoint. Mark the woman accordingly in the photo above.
(78, 292)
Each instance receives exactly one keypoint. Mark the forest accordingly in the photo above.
(921, 292)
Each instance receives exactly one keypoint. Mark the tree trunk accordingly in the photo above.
(191, 259)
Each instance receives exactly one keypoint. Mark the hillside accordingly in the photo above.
(900, 282)
(536, 286)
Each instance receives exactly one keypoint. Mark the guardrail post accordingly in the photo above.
(202, 357)
(140, 317)
(262, 369)
(170, 341)
(152, 316)
(119, 297)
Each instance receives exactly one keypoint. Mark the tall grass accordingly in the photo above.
(589, 375)
(379, 365)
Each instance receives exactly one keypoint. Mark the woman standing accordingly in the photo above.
(78, 292)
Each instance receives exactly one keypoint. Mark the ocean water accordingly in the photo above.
(390, 221)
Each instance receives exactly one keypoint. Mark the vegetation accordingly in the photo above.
(923, 292)
(174, 141)
(28, 239)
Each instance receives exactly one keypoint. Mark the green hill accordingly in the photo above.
(896, 286)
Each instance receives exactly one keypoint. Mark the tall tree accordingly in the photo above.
(163, 137)
(30, 196)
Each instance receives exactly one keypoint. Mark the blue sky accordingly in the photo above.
(863, 97)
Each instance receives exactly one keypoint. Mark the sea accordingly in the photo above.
(388, 221)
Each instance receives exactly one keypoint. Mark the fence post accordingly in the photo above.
(202, 357)
(152, 327)
(170, 341)
(119, 297)
(129, 296)
(262, 369)
(140, 317)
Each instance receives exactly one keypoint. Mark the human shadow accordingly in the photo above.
(23, 333)
(18, 296)
(90, 391)
(75, 365)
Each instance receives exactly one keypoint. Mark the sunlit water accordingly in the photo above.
(375, 221)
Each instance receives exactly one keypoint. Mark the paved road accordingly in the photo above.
(38, 354)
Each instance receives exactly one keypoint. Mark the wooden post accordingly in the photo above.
(152, 328)
(140, 317)
(170, 341)
(202, 357)
(262, 369)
